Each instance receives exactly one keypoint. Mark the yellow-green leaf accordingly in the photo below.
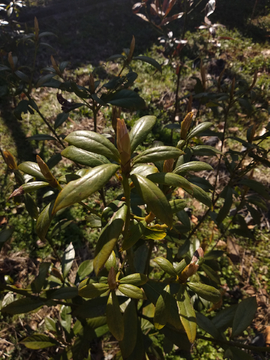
(131, 291)
(162, 309)
(93, 290)
(188, 317)
(165, 265)
(136, 279)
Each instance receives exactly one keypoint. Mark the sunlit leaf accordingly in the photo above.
(77, 190)
(207, 292)
(108, 238)
(131, 291)
(44, 221)
(84, 157)
(165, 265)
(93, 142)
(188, 316)
(140, 130)
(67, 260)
(162, 309)
(158, 153)
(39, 341)
(154, 198)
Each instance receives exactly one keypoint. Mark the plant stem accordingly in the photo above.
(235, 344)
(126, 188)
(48, 124)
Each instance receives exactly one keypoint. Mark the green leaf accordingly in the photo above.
(59, 226)
(43, 79)
(173, 314)
(239, 354)
(205, 291)
(223, 212)
(171, 179)
(138, 352)
(92, 290)
(244, 315)
(256, 186)
(126, 98)
(84, 157)
(192, 166)
(94, 221)
(135, 233)
(85, 268)
(158, 153)
(188, 317)
(114, 316)
(65, 317)
(31, 186)
(108, 238)
(162, 308)
(60, 119)
(23, 306)
(148, 60)
(39, 341)
(140, 130)
(200, 195)
(22, 76)
(131, 291)
(67, 292)
(116, 57)
(154, 198)
(78, 190)
(50, 324)
(210, 273)
(165, 265)
(152, 290)
(39, 281)
(44, 221)
(213, 254)
(224, 318)
(204, 150)
(32, 169)
(178, 337)
(31, 206)
(198, 129)
(5, 235)
(207, 325)
(177, 205)
(67, 260)
(41, 137)
(128, 343)
(93, 142)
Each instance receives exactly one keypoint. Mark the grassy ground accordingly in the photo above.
(87, 34)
